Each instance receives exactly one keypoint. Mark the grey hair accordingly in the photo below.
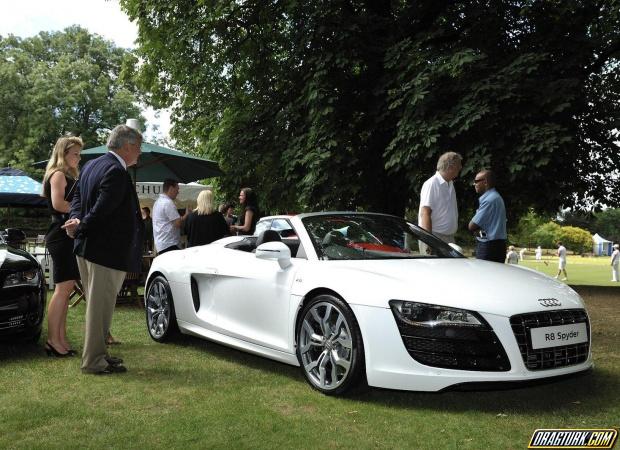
(121, 135)
(448, 160)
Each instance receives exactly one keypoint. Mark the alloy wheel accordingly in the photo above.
(325, 346)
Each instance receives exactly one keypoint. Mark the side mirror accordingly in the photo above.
(275, 251)
(15, 235)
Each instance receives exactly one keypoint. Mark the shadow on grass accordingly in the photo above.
(589, 391)
(17, 351)
(598, 389)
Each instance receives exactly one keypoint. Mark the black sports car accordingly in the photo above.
(22, 291)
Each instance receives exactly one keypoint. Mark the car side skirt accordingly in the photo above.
(239, 344)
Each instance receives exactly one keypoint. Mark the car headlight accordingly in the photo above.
(426, 315)
(450, 338)
(23, 278)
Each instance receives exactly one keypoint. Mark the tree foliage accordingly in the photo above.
(348, 103)
(547, 235)
(575, 238)
(58, 83)
(523, 233)
(607, 224)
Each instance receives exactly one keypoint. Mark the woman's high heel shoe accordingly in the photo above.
(51, 351)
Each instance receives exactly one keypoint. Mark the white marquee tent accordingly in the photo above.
(601, 246)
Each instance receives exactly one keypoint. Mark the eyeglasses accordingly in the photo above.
(479, 180)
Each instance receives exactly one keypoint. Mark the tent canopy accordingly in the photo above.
(158, 163)
(18, 189)
(598, 239)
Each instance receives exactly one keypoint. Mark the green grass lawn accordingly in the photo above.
(197, 394)
(582, 271)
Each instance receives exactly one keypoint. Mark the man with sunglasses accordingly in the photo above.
(489, 222)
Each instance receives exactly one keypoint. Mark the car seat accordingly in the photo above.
(268, 236)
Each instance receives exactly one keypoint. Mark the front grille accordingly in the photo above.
(11, 322)
(453, 347)
(552, 357)
(23, 308)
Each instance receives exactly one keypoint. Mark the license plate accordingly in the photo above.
(560, 335)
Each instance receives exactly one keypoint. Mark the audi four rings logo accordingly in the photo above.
(549, 302)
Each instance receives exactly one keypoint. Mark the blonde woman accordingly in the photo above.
(204, 224)
(59, 186)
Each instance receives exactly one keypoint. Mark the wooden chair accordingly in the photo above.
(129, 290)
(79, 291)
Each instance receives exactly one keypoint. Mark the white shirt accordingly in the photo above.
(562, 253)
(165, 234)
(615, 257)
(122, 161)
(439, 195)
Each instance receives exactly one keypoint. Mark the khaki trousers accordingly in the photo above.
(447, 238)
(101, 287)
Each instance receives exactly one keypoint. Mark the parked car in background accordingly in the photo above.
(353, 297)
(22, 290)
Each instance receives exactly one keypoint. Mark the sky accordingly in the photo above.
(26, 18)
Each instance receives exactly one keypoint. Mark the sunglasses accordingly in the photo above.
(479, 180)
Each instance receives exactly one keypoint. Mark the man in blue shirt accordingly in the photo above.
(489, 222)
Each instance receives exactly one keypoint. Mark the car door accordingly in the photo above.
(252, 300)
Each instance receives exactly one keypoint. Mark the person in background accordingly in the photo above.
(148, 229)
(438, 211)
(615, 263)
(489, 222)
(538, 253)
(108, 230)
(561, 261)
(522, 253)
(59, 184)
(249, 215)
(511, 256)
(204, 224)
(167, 222)
(227, 210)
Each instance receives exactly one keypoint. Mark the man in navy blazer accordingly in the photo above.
(108, 230)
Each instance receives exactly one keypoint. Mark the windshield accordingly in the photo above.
(372, 236)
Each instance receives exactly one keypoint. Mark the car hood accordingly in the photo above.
(15, 259)
(463, 283)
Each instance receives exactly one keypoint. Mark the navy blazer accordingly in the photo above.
(111, 228)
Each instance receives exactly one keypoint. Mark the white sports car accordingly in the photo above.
(361, 297)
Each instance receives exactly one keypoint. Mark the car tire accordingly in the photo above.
(161, 321)
(34, 339)
(330, 349)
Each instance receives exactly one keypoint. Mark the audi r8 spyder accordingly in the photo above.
(356, 298)
(22, 293)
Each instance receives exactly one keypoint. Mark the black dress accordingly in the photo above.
(204, 229)
(255, 218)
(57, 242)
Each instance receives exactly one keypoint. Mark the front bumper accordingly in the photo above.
(21, 312)
(389, 365)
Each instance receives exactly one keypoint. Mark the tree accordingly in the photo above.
(577, 218)
(607, 224)
(523, 232)
(576, 239)
(58, 83)
(547, 235)
(348, 104)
